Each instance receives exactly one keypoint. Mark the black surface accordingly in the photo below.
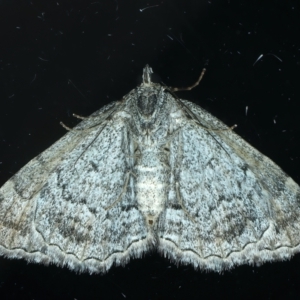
(60, 57)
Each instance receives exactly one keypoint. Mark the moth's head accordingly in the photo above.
(147, 99)
(148, 94)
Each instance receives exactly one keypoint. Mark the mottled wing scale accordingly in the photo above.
(231, 204)
(55, 210)
(150, 171)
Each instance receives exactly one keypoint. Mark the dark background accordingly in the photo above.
(60, 57)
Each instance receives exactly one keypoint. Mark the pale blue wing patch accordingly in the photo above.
(224, 208)
(66, 212)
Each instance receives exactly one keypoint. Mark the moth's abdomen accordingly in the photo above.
(152, 176)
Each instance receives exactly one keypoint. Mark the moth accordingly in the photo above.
(151, 171)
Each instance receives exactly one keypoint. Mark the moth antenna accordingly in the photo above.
(176, 89)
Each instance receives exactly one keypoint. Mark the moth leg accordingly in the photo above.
(84, 118)
(216, 130)
(106, 120)
(65, 126)
(80, 117)
(123, 191)
(104, 123)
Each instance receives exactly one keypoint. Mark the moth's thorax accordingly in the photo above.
(152, 171)
(149, 99)
(147, 102)
(149, 110)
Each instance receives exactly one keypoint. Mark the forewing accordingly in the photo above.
(74, 204)
(228, 204)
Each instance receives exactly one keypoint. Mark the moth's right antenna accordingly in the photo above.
(175, 89)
